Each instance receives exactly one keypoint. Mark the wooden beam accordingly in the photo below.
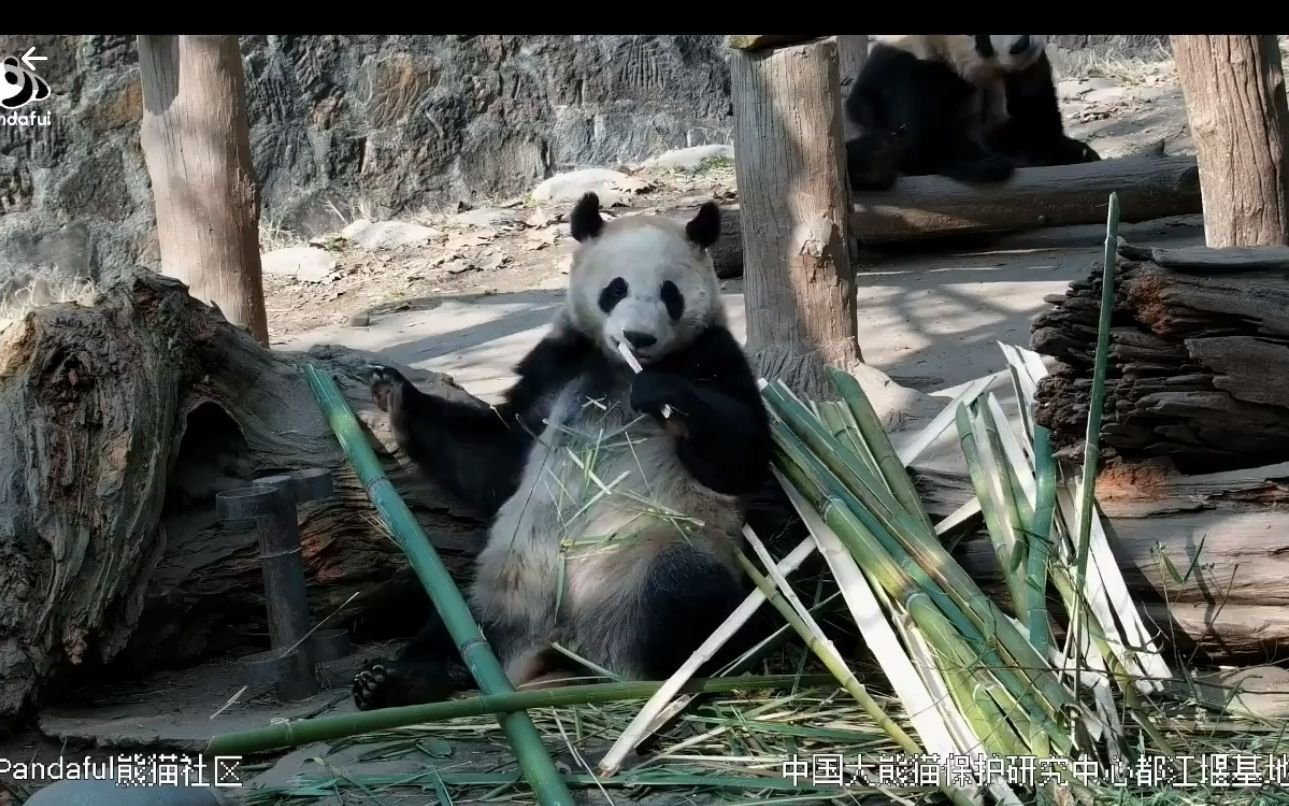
(935, 206)
(929, 207)
(789, 162)
(196, 144)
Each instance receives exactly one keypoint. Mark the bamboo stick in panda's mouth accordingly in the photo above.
(630, 358)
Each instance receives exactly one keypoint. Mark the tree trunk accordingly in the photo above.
(1238, 116)
(789, 161)
(1226, 536)
(1199, 358)
(122, 422)
(197, 147)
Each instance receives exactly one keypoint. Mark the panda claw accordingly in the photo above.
(387, 386)
(370, 684)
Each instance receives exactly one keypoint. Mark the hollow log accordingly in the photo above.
(931, 207)
(121, 421)
(1199, 362)
(1225, 535)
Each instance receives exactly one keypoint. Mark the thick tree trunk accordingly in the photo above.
(1199, 367)
(800, 283)
(1238, 116)
(122, 421)
(197, 146)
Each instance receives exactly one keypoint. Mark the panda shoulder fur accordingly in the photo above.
(970, 107)
(614, 528)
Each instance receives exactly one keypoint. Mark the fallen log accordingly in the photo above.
(122, 419)
(1204, 556)
(930, 207)
(1199, 358)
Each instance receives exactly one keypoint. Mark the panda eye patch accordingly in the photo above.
(673, 299)
(612, 294)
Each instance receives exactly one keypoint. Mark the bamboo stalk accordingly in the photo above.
(1040, 537)
(1096, 401)
(294, 734)
(879, 442)
(539, 770)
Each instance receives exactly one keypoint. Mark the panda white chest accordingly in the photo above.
(596, 466)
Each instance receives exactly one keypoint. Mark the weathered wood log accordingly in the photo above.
(800, 282)
(931, 207)
(1199, 359)
(935, 206)
(121, 421)
(1239, 119)
(1226, 540)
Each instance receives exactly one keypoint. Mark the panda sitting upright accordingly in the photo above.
(614, 529)
(970, 107)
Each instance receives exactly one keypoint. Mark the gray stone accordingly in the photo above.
(387, 234)
(1109, 95)
(569, 187)
(689, 159)
(304, 263)
(488, 217)
(93, 792)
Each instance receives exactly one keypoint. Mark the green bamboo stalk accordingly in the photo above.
(843, 427)
(1096, 402)
(294, 734)
(997, 517)
(957, 664)
(534, 760)
(879, 442)
(1039, 531)
(953, 590)
(831, 660)
(901, 577)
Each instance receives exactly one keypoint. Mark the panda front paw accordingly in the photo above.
(371, 685)
(388, 387)
(652, 390)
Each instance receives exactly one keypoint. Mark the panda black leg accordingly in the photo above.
(686, 596)
(387, 683)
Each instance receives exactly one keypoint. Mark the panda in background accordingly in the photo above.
(969, 107)
(632, 579)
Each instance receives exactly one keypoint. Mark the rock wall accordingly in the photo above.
(347, 124)
(350, 125)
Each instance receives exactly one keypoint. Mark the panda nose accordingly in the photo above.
(1020, 45)
(639, 340)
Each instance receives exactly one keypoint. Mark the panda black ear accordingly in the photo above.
(705, 227)
(585, 221)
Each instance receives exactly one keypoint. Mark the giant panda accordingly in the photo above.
(970, 107)
(613, 527)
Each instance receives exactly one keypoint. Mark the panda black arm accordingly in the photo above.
(478, 452)
(721, 427)
(1034, 132)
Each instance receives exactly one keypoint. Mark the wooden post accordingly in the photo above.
(852, 52)
(1236, 108)
(197, 147)
(794, 199)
